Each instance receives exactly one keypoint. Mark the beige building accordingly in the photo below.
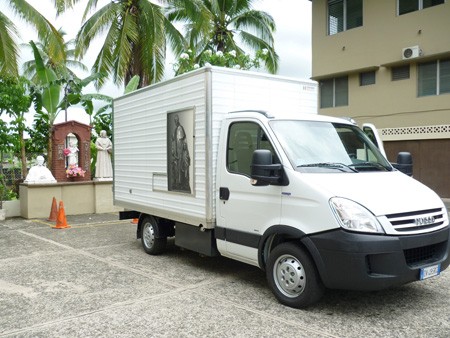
(387, 62)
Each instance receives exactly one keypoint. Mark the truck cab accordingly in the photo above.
(311, 200)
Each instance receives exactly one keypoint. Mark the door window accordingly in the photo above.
(243, 139)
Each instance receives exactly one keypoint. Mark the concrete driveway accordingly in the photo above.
(94, 280)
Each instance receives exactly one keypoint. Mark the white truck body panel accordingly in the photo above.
(201, 98)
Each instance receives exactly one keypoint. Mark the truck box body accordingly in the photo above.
(201, 99)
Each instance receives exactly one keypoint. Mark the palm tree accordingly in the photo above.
(62, 67)
(134, 43)
(9, 53)
(225, 25)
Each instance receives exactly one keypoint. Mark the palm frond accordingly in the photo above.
(128, 37)
(44, 28)
(63, 5)
(272, 61)
(91, 5)
(151, 54)
(260, 22)
(9, 52)
(95, 26)
(175, 39)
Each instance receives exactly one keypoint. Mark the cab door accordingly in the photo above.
(244, 210)
(371, 131)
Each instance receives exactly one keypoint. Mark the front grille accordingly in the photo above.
(417, 221)
(425, 254)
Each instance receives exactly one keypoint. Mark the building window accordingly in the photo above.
(334, 92)
(434, 78)
(408, 6)
(367, 78)
(400, 73)
(344, 15)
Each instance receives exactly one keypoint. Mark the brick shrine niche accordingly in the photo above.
(82, 132)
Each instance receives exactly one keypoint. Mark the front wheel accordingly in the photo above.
(152, 243)
(293, 277)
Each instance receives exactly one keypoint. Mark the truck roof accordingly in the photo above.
(282, 115)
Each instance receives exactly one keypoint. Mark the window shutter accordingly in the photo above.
(400, 73)
(326, 93)
(367, 78)
(431, 3)
(407, 6)
(354, 14)
(427, 79)
(444, 76)
(335, 17)
(341, 90)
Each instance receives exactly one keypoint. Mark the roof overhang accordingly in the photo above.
(422, 58)
(345, 72)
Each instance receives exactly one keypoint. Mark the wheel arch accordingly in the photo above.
(274, 236)
(139, 226)
(165, 229)
(278, 234)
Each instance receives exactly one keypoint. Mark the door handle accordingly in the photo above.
(224, 193)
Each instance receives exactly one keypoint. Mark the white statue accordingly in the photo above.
(39, 173)
(73, 155)
(103, 167)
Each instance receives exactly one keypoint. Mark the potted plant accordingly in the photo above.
(74, 171)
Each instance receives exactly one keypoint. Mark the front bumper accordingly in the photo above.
(353, 261)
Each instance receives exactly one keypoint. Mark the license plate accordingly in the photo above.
(430, 271)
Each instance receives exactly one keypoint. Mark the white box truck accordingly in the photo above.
(229, 163)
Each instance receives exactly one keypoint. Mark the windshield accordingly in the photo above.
(315, 146)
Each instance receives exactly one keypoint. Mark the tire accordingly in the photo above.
(293, 277)
(151, 242)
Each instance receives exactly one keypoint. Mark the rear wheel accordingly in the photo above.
(152, 243)
(293, 277)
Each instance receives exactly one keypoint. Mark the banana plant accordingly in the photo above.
(46, 95)
(103, 114)
(75, 95)
(48, 98)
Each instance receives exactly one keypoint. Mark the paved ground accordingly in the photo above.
(94, 280)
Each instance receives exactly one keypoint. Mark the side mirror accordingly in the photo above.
(404, 163)
(263, 171)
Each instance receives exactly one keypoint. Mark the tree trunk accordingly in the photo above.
(50, 148)
(23, 157)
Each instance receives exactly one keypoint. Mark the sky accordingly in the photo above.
(292, 37)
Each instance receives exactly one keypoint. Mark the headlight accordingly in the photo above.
(354, 217)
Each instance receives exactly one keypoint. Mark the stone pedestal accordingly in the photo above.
(78, 198)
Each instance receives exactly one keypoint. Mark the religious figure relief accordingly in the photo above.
(179, 160)
(39, 173)
(103, 166)
(72, 156)
(60, 152)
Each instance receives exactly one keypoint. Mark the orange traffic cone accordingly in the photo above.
(53, 211)
(61, 222)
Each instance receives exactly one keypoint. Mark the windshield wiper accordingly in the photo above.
(369, 165)
(331, 165)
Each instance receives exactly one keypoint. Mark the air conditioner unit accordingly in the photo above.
(411, 52)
